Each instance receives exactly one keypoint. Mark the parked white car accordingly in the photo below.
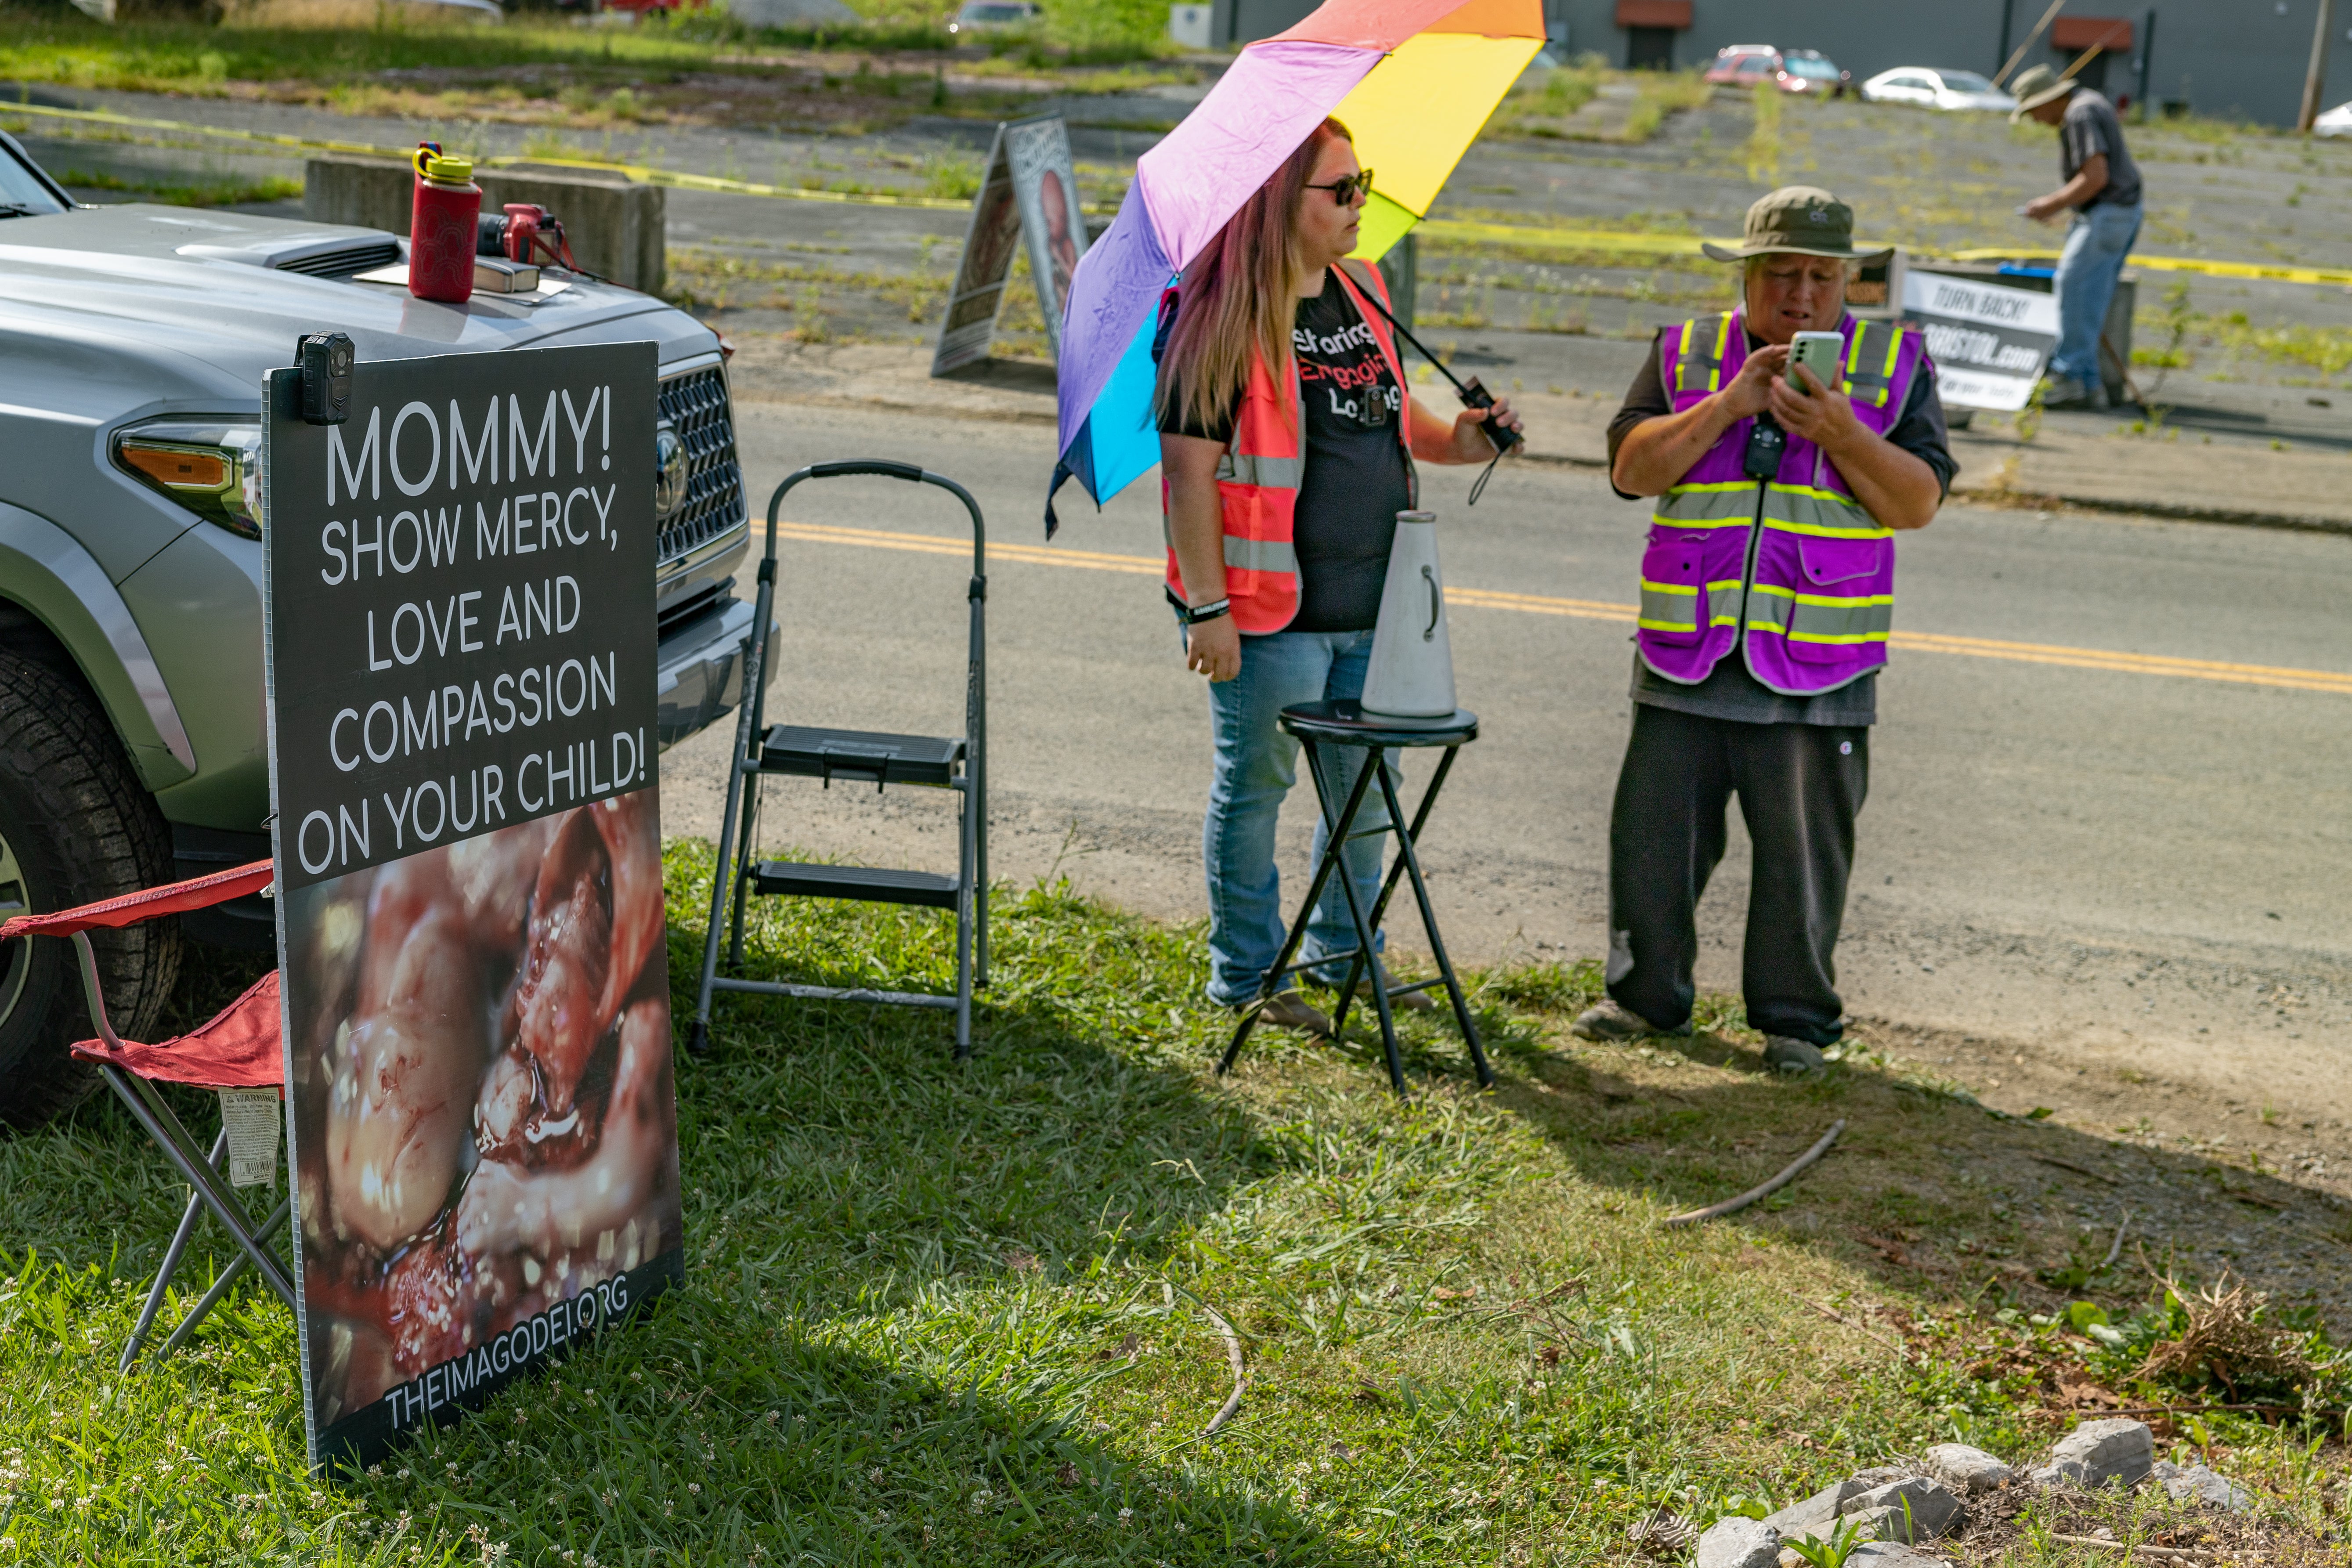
(2337, 122)
(1928, 88)
(993, 16)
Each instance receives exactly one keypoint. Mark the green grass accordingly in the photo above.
(1545, 104)
(56, 44)
(961, 1314)
(59, 45)
(228, 190)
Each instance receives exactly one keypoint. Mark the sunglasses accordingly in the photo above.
(1355, 187)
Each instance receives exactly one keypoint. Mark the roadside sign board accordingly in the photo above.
(1991, 342)
(1030, 187)
(461, 658)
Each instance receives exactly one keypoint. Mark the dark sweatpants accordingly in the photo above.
(1799, 787)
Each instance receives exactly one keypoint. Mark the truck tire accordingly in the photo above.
(76, 826)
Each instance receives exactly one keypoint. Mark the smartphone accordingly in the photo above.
(1818, 352)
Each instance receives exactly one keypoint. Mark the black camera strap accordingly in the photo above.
(1502, 436)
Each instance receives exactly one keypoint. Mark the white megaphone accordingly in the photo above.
(1412, 672)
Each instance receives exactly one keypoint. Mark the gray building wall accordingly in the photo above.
(2236, 58)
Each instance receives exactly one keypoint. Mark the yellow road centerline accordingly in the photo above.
(2054, 654)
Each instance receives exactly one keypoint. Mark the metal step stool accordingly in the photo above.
(958, 763)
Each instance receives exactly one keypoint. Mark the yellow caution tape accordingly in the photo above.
(1443, 228)
(1439, 229)
(1571, 239)
(2276, 273)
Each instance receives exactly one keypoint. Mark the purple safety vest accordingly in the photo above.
(1794, 563)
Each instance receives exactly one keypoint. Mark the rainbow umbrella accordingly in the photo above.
(1412, 79)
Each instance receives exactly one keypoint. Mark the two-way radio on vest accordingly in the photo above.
(1474, 395)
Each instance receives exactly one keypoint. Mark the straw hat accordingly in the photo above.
(1798, 220)
(2035, 86)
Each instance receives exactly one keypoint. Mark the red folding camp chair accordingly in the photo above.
(237, 1049)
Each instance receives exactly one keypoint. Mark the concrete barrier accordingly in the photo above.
(617, 226)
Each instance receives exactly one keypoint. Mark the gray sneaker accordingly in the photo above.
(1611, 1022)
(2064, 392)
(1784, 1054)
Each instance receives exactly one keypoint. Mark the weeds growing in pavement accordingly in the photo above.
(227, 190)
(1761, 152)
(959, 1313)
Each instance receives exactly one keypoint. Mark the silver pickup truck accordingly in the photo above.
(132, 343)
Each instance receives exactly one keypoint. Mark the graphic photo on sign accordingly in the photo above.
(475, 987)
(1045, 181)
(1030, 186)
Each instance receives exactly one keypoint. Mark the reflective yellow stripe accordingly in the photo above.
(1863, 618)
(1668, 607)
(1823, 530)
(1831, 599)
(1685, 354)
(1722, 339)
(1705, 506)
(1723, 602)
(1811, 509)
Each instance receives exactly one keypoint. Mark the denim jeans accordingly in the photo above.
(2097, 241)
(1256, 764)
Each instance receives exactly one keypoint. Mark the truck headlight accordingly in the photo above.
(211, 469)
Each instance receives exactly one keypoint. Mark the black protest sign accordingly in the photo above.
(462, 626)
(1990, 341)
(481, 1113)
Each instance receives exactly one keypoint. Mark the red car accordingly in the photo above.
(1791, 71)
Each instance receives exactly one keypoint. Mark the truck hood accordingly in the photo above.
(121, 311)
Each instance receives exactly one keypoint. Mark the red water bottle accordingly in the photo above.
(443, 224)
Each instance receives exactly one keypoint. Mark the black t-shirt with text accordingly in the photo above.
(1355, 479)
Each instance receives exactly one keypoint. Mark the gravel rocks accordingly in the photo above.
(2206, 1488)
(1929, 1510)
(1736, 1542)
(1813, 1516)
(1967, 1472)
(2101, 1453)
(1891, 1554)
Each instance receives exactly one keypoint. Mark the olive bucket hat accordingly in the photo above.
(2035, 86)
(1798, 220)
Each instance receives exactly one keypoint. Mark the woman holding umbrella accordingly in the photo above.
(1287, 439)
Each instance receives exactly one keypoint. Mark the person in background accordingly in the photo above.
(1767, 594)
(1287, 440)
(2101, 192)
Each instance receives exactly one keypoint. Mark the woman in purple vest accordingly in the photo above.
(1768, 593)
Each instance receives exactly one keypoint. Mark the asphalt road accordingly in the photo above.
(2098, 854)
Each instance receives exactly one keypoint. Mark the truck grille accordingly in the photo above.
(695, 404)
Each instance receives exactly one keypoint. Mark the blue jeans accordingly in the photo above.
(1256, 764)
(2097, 241)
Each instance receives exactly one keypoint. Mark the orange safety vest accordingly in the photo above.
(1258, 477)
